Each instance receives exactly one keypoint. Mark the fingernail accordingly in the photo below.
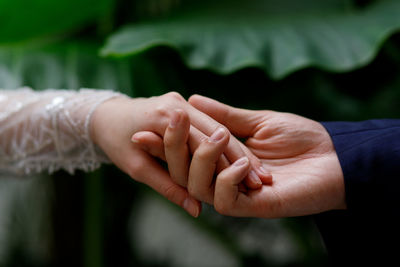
(217, 135)
(175, 118)
(135, 140)
(266, 176)
(191, 207)
(263, 170)
(240, 162)
(254, 177)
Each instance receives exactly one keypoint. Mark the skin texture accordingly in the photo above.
(116, 120)
(299, 153)
(307, 177)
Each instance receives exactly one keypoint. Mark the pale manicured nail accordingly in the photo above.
(190, 206)
(254, 177)
(241, 162)
(217, 135)
(135, 140)
(266, 175)
(175, 118)
(263, 170)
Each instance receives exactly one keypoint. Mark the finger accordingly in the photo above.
(150, 172)
(256, 175)
(176, 148)
(261, 172)
(199, 120)
(240, 122)
(203, 165)
(227, 190)
(154, 145)
(150, 142)
(208, 126)
(222, 163)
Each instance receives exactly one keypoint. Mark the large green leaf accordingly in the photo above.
(70, 65)
(278, 36)
(28, 19)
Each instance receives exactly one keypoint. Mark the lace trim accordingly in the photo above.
(49, 130)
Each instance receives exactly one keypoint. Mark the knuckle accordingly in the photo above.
(162, 110)
(184, 115)
(202, 154)
(170, 192)
(175, 96)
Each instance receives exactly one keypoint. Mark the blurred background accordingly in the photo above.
(327, 60)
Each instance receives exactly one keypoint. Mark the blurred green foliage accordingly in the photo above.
(279, 36)
(330, 60)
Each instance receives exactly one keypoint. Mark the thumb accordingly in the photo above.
(240, 122)
(150, 142)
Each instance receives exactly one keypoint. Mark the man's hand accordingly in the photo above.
(297, 151)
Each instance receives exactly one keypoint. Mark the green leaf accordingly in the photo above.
(63, 66)
(277, 36)
(29, 19)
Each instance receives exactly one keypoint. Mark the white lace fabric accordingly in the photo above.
(49, 130)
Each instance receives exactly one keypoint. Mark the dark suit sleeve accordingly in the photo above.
(369, 154)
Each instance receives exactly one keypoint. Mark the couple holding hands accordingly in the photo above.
(245, 163)
(287, 165)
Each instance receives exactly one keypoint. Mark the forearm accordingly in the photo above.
(48, 130)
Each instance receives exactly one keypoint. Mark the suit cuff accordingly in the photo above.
(369, 154)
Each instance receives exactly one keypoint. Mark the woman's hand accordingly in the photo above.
(112, 126)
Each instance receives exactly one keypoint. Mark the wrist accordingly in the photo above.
(103, 115)
(334, 171)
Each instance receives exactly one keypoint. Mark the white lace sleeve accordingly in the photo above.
(48, 130)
